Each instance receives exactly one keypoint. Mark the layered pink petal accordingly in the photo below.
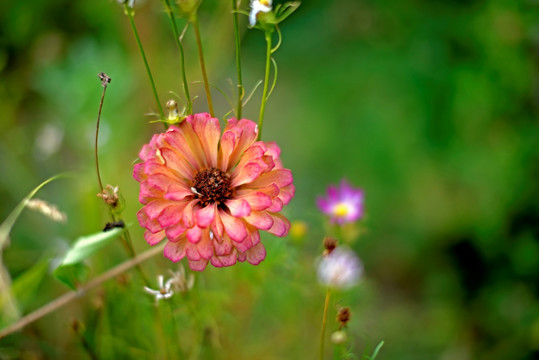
(176, 232)
(234, 227)
(281, 177)
(175, 251)
(227, 260)
(256, 254)
(281, 225)
(208, 131)
(276, 205)
(177, 192)
(223, 247)
(172, 214)
(257, 200)
(152, 238)
(205, 246)
(238, 208)
(205, 216)
(194, 234)
(246, 133)
(199, 265)
(246, 174)
(260, 219)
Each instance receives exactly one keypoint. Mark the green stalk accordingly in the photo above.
(266, 82)
(324, 320)
(182, 57)
(194, 20)
(130, 14)
(238, 57)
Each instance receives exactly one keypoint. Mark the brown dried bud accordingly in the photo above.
(330, 244)
(343, 316)
(110, 195)
(105, 79)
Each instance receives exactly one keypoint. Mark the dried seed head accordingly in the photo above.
(110, 195)
(105, 79)
(330, 244)
(47, 209)
(343, 316)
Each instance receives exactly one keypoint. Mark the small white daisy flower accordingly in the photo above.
(165, 289)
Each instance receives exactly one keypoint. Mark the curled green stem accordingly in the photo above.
(194, 20)
(130, 14)
(266, 82)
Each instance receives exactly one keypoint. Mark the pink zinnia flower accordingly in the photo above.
(343, 204)
(209, 194)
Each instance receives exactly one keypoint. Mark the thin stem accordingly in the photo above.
(199, 337)
(194, 20)
(324, 320)
(266, 81)
(182, 58)
(67, 297)
(128, 244)
(126, 240)
(86, 346)
(130, 14)
(105, 80)
(238, 57)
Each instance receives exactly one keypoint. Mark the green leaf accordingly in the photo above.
(71, 270)
(376, 350)
(25, 287)
(72, 274)
(8, 223)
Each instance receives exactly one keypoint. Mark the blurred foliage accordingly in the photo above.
(430, 106)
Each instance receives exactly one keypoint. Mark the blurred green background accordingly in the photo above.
(429, 106)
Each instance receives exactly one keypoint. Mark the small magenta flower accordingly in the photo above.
(343, 204)
(209, 193)
(258, 6)
(341, 269)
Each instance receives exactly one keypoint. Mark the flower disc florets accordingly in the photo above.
(210, 194)
(212, 186)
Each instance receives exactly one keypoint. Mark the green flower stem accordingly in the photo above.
(238, 57)
(198, 330)
(266, 83)
(128, 245)
(126, 239)
(324, 320)
(194, 20)
(130, 14)
(182, 57)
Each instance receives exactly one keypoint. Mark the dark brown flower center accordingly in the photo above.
(212, 186)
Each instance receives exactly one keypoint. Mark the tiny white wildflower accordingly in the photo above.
(340, 269)
(181, 281)
(258, 6)
(165, 289)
